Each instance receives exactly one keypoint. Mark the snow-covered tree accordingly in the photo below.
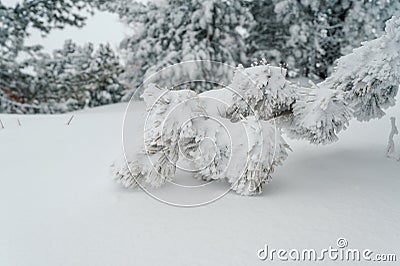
(104, 73)
(306, 35)
(174, 31)
(310, 35)
(13, 83)
(72, 78)
(18, 87)
(75, 77)
(366, 20)
(267, 34)
(43, 16)
(265, 104)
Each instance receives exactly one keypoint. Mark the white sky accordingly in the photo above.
(103, 27)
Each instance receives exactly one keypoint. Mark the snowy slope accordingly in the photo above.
(59, 207)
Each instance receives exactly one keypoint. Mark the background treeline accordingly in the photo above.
(305, 36)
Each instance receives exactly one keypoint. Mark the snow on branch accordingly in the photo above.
(370, 76)
(319, 115)
(262, 88)
(236, 133)
(391, 146)
(364, 83)
(190, 129)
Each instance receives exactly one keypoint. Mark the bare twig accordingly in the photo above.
(69, 121)
(1, 123)
(394, 131)
(19, 122)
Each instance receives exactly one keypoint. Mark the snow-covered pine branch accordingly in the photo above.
(364, 83)
(256, 145)
(155, 162)
(261, 88)
(200, 136)
(370, 76)
(316, 114)
(319, 114)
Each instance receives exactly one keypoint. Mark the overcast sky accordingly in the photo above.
(101, 28)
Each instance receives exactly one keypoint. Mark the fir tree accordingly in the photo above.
(76, 77)
(181, 30)
(18, 88)
(366, 20)
(310, 35)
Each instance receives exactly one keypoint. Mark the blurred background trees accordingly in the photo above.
(73, 77)
(303, 35)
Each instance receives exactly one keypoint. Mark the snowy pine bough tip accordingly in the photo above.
(235, 133)
(364, 83)
(370, 76)
(203, 138)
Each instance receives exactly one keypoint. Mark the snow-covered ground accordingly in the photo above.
(59, 206)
